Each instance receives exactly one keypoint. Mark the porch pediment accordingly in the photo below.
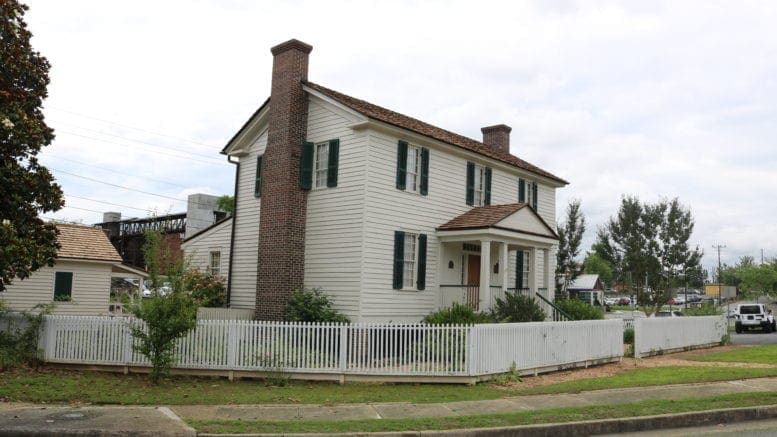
(516, 219)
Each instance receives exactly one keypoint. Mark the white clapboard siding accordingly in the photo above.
(344, 349)
(197, 249)
(654, 335)
(90, 293)
(246, 241)
(389, 210)
(333, 228)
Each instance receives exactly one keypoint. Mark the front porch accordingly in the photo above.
(492, 250)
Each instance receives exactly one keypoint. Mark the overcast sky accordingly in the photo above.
(653, 99)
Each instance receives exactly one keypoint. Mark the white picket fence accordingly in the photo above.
(340, 349)
(661, 334)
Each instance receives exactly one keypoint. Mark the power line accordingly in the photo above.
(118, 186)
(114, 171)
(130, 127)
(214, 162)
(110, 203)
(210, 156)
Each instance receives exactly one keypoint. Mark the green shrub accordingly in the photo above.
(206, 289)
(311, 306)
(19, 335)
(456, 314)
(628, 336)
(579, 310)
(517, 308)
(708, 309)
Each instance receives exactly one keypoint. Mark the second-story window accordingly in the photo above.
(412, 173)
(527, 192)
(478, 185)
(322, 164)
(412, 168)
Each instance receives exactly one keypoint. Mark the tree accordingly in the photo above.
(165, 317)
(570, 234)
(595, 265)
(26, 242)
(226, 203)
(647, 245)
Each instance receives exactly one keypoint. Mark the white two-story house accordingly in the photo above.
(390, 216)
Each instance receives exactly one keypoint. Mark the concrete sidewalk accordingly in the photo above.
(42, 420)
(401, 410)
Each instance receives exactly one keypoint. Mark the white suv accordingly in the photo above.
(753, 316)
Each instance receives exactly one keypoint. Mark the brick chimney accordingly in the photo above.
(281, 262)
(497, 137)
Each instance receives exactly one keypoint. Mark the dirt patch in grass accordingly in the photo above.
(612, 369)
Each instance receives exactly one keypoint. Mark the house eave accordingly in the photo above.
(495, 233)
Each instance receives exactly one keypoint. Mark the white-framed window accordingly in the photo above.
(322, 164)
(214, 262)
(525, 269)
(409, 269)
(413, 170)
(480, 183)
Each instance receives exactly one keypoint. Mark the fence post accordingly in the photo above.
(471, 351)
(637, 329)
(343, 351)
(127, 345)
(232, 344)
(49, 337)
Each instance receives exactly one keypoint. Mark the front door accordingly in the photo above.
(473, 281)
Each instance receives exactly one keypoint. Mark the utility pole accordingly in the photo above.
(720, 272)
(762, 256)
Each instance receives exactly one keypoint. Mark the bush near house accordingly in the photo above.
(516, 308)
(19, 334)
(206, 289)
(579, 310)
(456, 314)
(312, 306)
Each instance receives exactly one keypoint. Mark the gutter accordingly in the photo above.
(232, 235)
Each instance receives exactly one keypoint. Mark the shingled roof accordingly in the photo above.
(85, 242)
(482, 216)
(394, 118)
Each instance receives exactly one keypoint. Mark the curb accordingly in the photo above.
(593, 427)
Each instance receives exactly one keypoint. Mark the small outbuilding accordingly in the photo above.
(587, 288)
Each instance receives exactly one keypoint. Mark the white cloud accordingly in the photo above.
(655, 99)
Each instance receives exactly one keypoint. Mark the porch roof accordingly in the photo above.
(511, 217)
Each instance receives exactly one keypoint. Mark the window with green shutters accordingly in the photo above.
(521, 190)
(527, 192)
(319, 164)
(63, 286)
(412, 168)
(478, 185)
(258, 179)
(409, 261)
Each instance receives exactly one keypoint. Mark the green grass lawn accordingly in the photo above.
(755, 354)
(59, 386)
(558, 415)
(653, 376)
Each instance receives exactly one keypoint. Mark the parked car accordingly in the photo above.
(667, 313)
(625, 300)
(164, 289)
(611, 301)
(753, 315)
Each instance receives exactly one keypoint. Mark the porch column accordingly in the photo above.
(504, 264)
(550, 275)
(534, 277)
(485, 274)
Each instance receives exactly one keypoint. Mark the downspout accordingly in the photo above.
(232, 235)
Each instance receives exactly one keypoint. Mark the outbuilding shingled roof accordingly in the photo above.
(85, 242)
(394, 118)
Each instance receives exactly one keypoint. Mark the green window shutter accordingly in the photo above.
(421, 283)
(518, 269)
(306, 166)
(521, 190)
(487, 189)
(401, 164)
(399, 259)
(258, 182)
(534, 196)
(334, 156)
(424, 189)
(63, 284)
(470, 183)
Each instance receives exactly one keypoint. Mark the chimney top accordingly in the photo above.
(291, 44)
(497, 137)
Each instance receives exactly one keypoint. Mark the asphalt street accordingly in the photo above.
(753, 428)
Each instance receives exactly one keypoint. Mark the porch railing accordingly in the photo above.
(468, 295)
(556, 313)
